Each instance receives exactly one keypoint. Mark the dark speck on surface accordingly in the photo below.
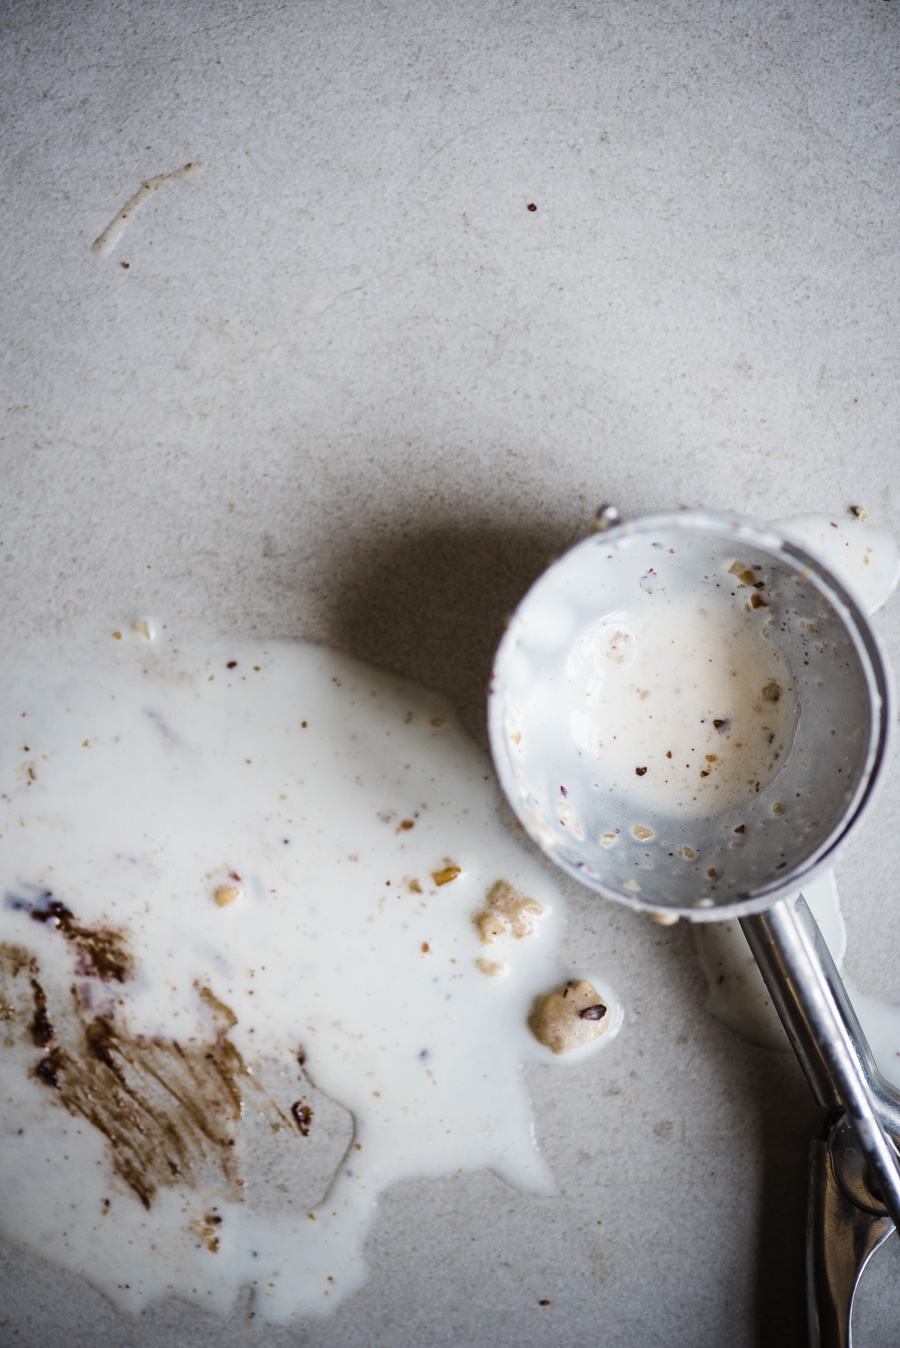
(47, 1071)
(302, 1115)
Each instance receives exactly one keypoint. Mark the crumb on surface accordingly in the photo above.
(226, 894)
(507, 911)
(743, 572)
(443, 877)
(567, 1020)
(664, 918)
(492, 968)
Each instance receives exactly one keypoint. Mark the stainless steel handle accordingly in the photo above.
(846, 1223)
(811, 999)
(844, 1229)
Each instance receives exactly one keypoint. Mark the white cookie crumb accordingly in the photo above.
(490, 967)
(665, 919)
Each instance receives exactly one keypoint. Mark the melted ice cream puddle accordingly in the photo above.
(692, 698)
(868, 562)
(647, 710)
(240, 962)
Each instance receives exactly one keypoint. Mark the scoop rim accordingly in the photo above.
(766, 538)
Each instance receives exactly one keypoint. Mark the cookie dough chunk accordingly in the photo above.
(570, 1019)
(507, 911)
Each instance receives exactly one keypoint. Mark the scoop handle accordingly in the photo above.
(809, 996)
(843, 1231)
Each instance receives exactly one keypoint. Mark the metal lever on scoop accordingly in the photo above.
(846, 1220)
(845, 1225)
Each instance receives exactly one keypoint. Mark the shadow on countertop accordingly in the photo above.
(788, 1120)
(431, 601)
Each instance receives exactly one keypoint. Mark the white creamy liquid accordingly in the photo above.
(687, 706)
(866, 560)
(868, 563)
(217, 862)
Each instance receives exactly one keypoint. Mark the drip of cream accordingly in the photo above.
(242, 975)
(868, 563)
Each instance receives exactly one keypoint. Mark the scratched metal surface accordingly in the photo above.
(340, 381)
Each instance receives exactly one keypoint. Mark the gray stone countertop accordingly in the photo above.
(441, 280)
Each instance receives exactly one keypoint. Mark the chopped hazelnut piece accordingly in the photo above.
(446, 875)
(558, 1022)
(743, 573)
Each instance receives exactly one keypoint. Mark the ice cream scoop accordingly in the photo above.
(689, 713)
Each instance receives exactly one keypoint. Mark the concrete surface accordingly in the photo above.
(341, 382)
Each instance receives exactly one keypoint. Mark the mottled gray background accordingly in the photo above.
(349, 388)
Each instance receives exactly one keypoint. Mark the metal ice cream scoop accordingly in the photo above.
(689, 713)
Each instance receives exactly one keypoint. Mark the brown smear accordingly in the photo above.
(170, 1112)
(13, 959)
(100, 952)
(41, 1029)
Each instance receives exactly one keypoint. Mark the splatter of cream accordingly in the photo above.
(242, 979)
